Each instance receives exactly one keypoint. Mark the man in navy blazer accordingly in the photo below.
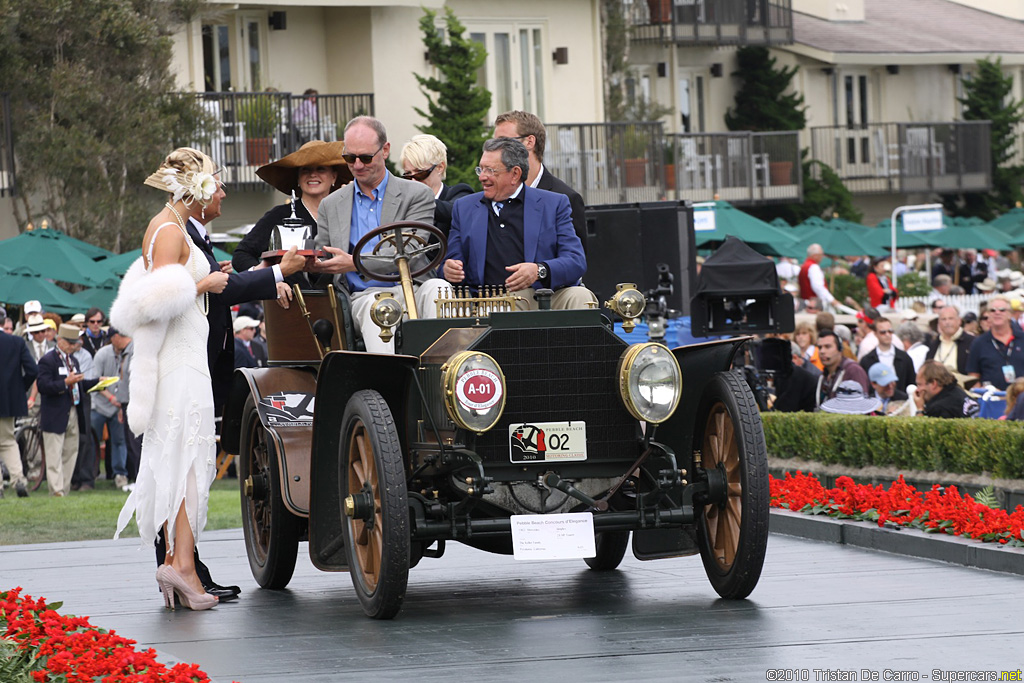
(63, 388)
(17, 372)
(514, 235)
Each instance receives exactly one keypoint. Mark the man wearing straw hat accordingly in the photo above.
(63, 388)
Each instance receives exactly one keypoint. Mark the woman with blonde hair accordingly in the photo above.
(162, 303)
(425, 159)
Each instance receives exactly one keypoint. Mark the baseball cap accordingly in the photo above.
(880, 373)
(244, 322)
(32, 306)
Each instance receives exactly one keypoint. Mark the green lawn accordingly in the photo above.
(88, 515)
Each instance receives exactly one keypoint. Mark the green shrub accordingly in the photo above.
(976, 446)
(852, 286)
(913, 284)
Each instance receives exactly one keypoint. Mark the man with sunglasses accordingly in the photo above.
(94, 338)
(516, 236)
(997, 356)
(376, 198)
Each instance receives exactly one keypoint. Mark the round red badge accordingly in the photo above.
(478, 389)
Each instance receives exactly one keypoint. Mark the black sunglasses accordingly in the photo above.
(365, 158)
(418, 175)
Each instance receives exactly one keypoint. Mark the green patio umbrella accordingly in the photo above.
(23, 283)
(54, 255)
(836, 242)
(760, 236)
(119, 264)
(1011, 223)
(100, 297)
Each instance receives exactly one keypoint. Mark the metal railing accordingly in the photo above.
(907, 157)
(739, 167)
(247, 130)
(612, 163)
(608, 163)
(8, 184)
(711, 22)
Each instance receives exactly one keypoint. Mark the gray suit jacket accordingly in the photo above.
(404, 200)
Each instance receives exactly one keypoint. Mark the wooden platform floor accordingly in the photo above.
(472, 616)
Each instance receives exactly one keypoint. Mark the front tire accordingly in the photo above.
(33, 459)
(271, 531)
(732, 533)
(373, 469)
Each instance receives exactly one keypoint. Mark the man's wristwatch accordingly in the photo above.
(542, 271)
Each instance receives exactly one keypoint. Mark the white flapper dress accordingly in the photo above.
(178, 446)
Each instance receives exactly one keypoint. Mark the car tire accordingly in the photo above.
(271, 531)
(611, 548)
(371, 462)
(733, 533)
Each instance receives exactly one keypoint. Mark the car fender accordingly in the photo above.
(292, 437)
(342, 373)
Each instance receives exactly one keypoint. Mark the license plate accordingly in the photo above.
(547, 441)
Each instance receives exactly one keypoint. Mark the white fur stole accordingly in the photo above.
(145, 304)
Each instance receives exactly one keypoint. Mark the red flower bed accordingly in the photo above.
(940, 509)
(54, 647)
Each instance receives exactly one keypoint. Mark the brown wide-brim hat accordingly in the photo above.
(283, 174)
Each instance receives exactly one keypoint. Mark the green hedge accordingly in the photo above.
(976, 446)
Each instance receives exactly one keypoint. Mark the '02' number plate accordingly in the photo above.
(547, 441)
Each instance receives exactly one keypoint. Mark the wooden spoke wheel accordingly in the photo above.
(376, 529)
(271, 530)
(732, 529)
(33, 459)
(611, 548)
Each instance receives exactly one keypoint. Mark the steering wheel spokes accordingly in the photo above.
(407, 241)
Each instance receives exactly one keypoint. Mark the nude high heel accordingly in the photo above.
(172, 583)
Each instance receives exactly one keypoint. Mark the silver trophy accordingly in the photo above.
(291, 233)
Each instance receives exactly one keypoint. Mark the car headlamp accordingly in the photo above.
(650, 382)
(628, 303)
(386, 312)
(474, 390)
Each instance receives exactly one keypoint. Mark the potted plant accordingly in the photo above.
(660, 11)
(261, 117)
(668, 153)
(635, 147)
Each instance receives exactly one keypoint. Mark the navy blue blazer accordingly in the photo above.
(220, 348)
(244, 359)
(57, 397)
(17, 372)
(548, 236)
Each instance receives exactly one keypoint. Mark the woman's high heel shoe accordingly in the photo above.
(172, 583)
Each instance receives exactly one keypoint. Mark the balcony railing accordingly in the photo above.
(8, 186)
(740, 167)
(248, 130)
(612, 163)
(711, 22)
(907, 157)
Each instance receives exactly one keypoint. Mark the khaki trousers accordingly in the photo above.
(61, 455)
(10, 455)
(567, 298)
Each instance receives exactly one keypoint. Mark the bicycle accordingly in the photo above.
(33, 456)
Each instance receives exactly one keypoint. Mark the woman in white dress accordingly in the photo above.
(162, 303)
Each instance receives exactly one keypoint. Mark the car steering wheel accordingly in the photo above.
(400, 240)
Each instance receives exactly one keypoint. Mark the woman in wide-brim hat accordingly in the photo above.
(313, 171)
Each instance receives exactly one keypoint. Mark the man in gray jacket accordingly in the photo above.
(375, 198)
(114, 360)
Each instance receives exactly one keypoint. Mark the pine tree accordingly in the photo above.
(762, 103)
(458, 109)
(986, 98)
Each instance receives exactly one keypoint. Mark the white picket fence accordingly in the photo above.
(963, 302)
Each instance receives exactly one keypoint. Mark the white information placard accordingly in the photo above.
(920, 221)
(704, 217)
(553, 537)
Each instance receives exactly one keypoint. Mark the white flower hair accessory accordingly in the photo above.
(199, 186)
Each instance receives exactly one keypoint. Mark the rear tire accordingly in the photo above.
(33, 459)
(733, 534)
(611, 548)
(271, 530)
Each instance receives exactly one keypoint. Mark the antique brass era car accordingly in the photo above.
(486, 420)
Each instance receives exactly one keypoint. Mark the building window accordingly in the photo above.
(216, 58)
(514, 71)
